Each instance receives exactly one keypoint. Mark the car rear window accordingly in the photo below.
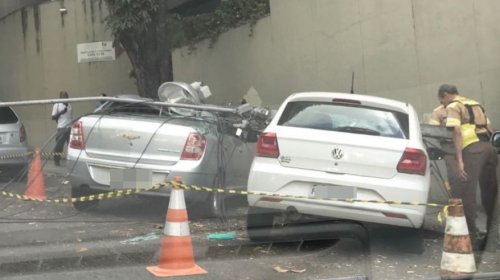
(7, 115)
(133, 109)
(346, 118)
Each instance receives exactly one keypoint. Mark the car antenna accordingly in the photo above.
(352, 83)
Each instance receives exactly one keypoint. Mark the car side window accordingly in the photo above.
(128, 108)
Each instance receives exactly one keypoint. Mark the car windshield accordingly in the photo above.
(249, 139)
(350, 119)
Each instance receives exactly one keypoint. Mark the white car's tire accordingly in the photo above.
(411, 240)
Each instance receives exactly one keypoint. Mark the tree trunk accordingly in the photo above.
(150, 55)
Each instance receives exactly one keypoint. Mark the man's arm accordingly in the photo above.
(457, 142)
(488, 126)
(453, 121)
(56, 115)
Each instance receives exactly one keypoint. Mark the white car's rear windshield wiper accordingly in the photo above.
(359, 130)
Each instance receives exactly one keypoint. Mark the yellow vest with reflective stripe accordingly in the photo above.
(468, 130)
(469, 135)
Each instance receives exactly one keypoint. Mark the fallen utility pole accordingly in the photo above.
(212, 108)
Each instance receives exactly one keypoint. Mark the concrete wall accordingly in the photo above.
(38, 58)
(402, 49)
(10, 6)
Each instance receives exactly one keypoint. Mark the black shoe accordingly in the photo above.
(491, 246)
(478, 240)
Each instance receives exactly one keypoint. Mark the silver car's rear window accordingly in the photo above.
(7, 115)
(346, 118)
(132, 108)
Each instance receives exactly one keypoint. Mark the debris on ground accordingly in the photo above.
(281, 269)
(223, 236)
(142, 238)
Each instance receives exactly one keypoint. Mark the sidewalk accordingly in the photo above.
(49, 167)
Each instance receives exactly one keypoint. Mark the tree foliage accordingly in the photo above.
(137, 16)
(187, 31)
(148, 32)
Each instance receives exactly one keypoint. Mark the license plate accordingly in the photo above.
(332, 191)
(131, 178)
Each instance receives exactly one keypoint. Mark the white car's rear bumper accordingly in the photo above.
(267, 175)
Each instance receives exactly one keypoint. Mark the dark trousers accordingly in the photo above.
(480, 163)
(62, 137)
(450, 161)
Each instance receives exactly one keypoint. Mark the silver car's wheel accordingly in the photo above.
(216, 204)
(80, 191)
(211, 207)
(260, 222)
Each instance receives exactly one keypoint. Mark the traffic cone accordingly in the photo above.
(457, 258)
(176, 253)
(36, 181)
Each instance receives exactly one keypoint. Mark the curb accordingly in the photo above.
(54, 257)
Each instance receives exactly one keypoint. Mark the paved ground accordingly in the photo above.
(120, 237)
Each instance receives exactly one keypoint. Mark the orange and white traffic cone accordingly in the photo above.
(176, 253)
(36, 181)
(457, 258)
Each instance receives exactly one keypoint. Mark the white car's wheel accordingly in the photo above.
(410, 240)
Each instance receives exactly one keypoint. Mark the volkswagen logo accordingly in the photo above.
(337, 153)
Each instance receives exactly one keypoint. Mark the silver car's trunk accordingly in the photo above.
(9, 134)
(126, 139)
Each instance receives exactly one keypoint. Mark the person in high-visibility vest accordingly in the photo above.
(476, 161)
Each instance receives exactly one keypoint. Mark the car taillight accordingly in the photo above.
(267, 146)
(194, 147)
(346, 101)
(413, 161)
(22, 134)
(76, 138)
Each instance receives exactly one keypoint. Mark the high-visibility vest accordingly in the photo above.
(477, 119)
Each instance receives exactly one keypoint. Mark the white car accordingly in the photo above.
(323, 145)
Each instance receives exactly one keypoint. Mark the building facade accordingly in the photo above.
(401, 49)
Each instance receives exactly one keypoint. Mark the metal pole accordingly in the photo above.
(212, 108)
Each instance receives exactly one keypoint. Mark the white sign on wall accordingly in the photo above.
(97, 51)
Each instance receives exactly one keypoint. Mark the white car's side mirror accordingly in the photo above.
(495, 141)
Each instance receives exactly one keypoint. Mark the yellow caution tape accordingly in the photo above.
(20, 155)
(177, 185)
(43, 154)
(350, 200)
(52, 154)
(447, 186)
(443, 214)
